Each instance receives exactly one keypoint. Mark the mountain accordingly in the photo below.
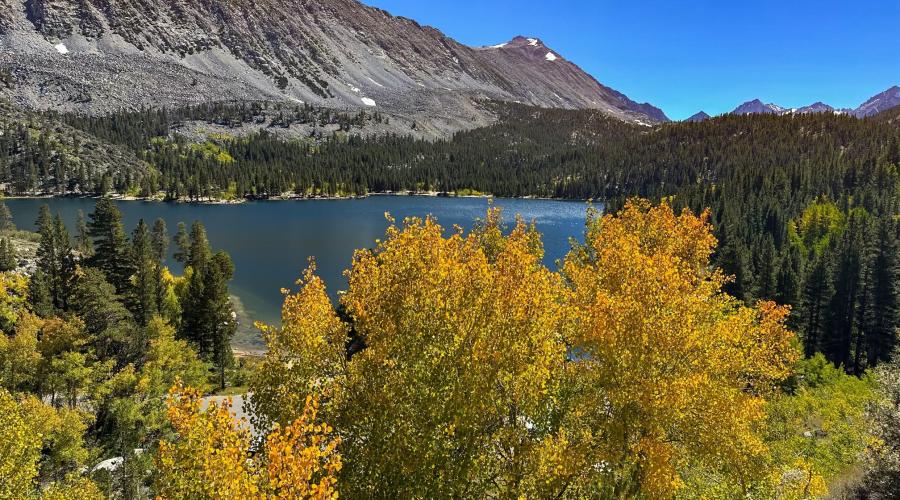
(888, 99)
(757, 106)
(100, 55)
(817, 107)
(699, 117)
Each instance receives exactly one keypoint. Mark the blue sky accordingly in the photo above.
(688, 56)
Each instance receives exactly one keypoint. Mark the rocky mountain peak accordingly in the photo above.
(698, 117)
(816, 107)
(530, 46)
(757, 106)
(95, 55)
(888, 99)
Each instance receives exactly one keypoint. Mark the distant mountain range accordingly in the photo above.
(888, 99)
(96, 56)
(102, 55)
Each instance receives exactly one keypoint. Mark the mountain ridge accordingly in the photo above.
(98, 55)
(882, 101)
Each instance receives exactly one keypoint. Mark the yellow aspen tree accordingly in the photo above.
(669, 370)
(301, 460)
(20, 450)
(463, 345)
(35, 436)
(305, 356)
(13, 299)
(462, 349)
(19, 355)
(210, 456)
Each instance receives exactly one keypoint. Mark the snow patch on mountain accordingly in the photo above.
(367, 101)
(550, 56)
(61, 48)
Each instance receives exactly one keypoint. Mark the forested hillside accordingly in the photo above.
(804, 206)
(39, 154)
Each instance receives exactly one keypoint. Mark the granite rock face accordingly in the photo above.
(97, 55)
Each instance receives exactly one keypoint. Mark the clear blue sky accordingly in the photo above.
(688, 56)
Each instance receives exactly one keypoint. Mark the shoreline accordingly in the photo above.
(157, 199)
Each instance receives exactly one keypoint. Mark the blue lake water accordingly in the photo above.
(270, 242)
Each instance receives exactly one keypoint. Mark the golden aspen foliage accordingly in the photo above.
(62, 432)
(304, 356)
(19, 355)
(462, 346)
(170, 306)
(13, 299)
(20, 450)
(301, 460)
(41, 445)
(59, 335)
(460, 366)
(669, 371)
(210, 456)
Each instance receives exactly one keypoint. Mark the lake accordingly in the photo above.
(270, 242)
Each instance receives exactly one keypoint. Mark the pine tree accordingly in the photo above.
(196, 254)
(105, 185)
(790, 273)
(160, 240)
(160, 244)
(83, 242)
(199, 253)
(882, 323)
(766, 270)
(733, 262)
(182, 244)
(192, 320)
(39, 294)
(65, 258)
(108, 321)
(817, 292)
(6, 219)
(55, 263)
(144, 299)
(219, 321)
(8, 259)
(842, 327)
(207, 315)
(112, 254)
